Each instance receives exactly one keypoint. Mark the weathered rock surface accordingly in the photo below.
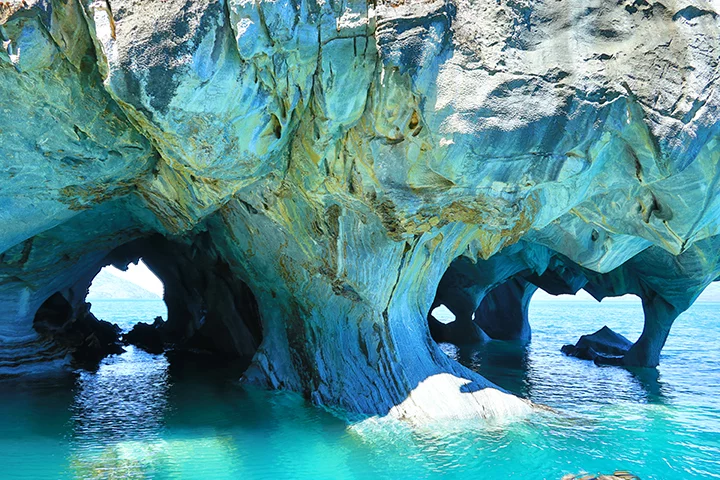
(302, 175)
(148, 336)
(603, 346)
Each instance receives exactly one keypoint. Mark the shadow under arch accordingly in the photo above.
(210, 310)
(490, 300)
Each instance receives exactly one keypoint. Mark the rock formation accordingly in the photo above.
(76, 331)
(148, 336)
(602, 347)
(302, 175)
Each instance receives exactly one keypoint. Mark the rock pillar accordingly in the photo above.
(659, 317)
(344, 313)
(503, 313)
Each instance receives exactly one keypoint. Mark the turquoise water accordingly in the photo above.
(138, 418)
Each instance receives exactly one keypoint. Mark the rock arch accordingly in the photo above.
(209, 307)
(336, 159)
(666, 284)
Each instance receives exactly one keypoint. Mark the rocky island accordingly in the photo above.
(309, 179)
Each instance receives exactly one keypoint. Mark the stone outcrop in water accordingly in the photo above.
(76, 330)
(603, 347)
(302, 175)
(148, 336)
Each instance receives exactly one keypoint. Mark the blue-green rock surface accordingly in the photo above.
(306, 177)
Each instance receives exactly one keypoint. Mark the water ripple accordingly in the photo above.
(136, 418)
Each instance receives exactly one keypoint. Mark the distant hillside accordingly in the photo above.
(711, 293)
(107, 286)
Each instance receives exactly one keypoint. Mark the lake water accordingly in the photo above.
(138, 418)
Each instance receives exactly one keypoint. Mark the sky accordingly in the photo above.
(581, 296)
(711, 294)
(140, 275)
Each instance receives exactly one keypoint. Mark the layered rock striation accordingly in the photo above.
(307, 177)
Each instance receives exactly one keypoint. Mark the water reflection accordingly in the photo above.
(504, 363)
(155, 420)
(125, 398)
(524, 371)
(118, 415)
(649, 381)
(142, 415)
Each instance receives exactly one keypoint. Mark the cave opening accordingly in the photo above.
(562, 328)
(443, 314)
(177, 298)
(602, 331)
(510, 313)
(132, 299)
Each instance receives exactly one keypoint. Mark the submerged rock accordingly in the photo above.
(604, 347)
(94, 348)
(605, 341)
(618, 475)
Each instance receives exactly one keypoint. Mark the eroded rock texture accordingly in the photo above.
(603, 347)
(313, 170)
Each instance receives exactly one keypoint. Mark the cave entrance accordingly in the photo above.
(601, 331)
(132, 299)
(472, 305)
(489, 332)
(126, 297)
(208, 312)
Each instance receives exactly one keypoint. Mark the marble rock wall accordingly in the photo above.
(336, 158)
